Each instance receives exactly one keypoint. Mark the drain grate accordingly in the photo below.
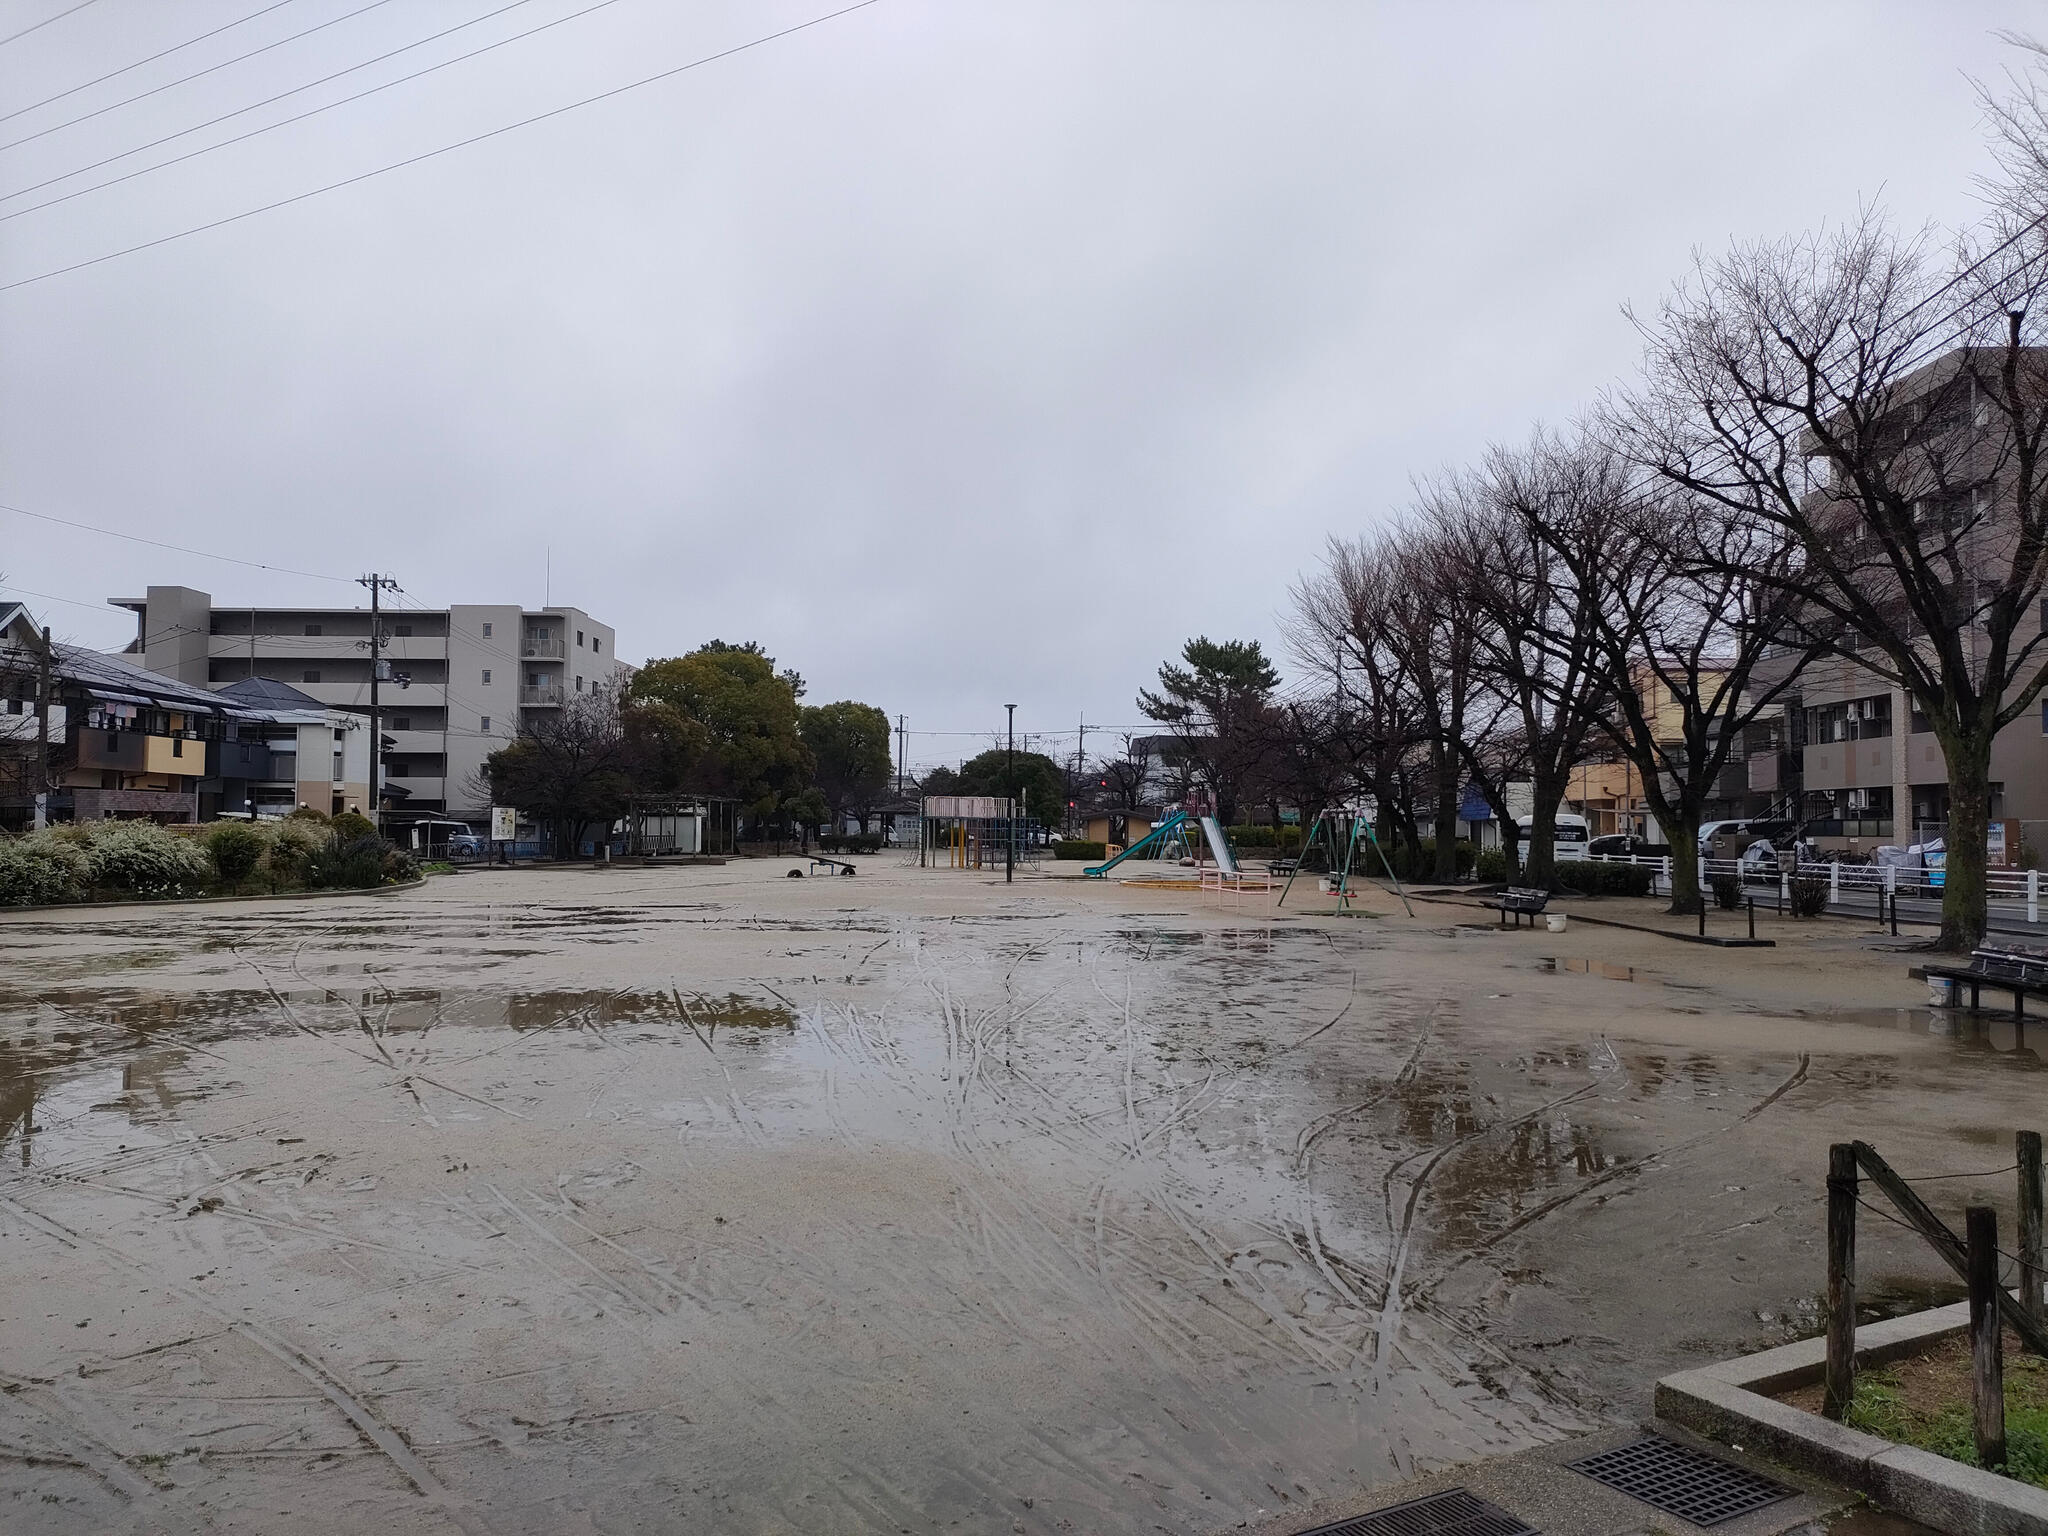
(1681, 1481)
(1456, 1513)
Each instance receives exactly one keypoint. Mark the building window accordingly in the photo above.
(309, 677)
(396, 767)
(177, 746)
(579, 637)
(113, 742)
(594, 643)
(487, 629)
(401, 722)
(312, 629)
(487, 677)
(486, 721)
(579, 685)
(402, 631)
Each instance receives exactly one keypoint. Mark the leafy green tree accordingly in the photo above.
(752, 749)
(1043, 786)
(1219, 705)
(851, 745)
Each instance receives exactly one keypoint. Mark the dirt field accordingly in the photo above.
(581, 1201)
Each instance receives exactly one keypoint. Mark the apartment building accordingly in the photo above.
(1863, 764)
(460, 679)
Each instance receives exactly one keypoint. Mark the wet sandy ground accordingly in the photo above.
(703, 1198)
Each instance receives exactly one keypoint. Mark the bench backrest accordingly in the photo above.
(1520, 896)
(2018, 964)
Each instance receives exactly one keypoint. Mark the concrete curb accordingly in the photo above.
(211, 901)
(1730, 1402)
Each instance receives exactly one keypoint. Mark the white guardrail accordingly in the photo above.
(2009, 885)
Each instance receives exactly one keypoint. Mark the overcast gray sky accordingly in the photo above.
(960, 353)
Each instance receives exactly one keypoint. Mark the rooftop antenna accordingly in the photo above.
(547, 576)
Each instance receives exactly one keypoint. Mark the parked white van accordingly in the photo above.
(1573, 834)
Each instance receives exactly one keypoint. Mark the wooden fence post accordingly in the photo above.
(2027, 1144)
(1841, 1312)
(1987, 1336)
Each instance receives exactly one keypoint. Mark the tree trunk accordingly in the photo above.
(1682, 829)
(1511, 846)
(1963, 888)
(1542, 865)
(1447, 815)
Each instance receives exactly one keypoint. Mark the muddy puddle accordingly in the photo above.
(759, 1217)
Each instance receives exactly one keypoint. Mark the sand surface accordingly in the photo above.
(707, 1199)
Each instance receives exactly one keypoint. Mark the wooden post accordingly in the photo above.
(1752, 917)
(1987, 1336)
(1841, 1301)
(2028, 1145)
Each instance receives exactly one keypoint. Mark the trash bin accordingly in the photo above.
(1554, 921)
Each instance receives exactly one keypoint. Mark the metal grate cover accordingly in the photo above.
(1681, 1481)
(1455, 1513)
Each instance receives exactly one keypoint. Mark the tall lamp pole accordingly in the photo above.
(1010, 866)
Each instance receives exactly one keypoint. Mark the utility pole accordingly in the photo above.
(902, 755)
(42, 812)
(377, 585)
(1010, 865)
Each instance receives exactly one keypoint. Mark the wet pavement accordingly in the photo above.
(631, 1200)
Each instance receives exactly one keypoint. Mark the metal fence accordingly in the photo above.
(1850, 880)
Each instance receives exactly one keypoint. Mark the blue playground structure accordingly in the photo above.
(1174, 828)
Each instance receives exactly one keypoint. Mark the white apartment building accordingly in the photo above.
(461, 678)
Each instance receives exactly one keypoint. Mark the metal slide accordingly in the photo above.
(1219, 846)
(1097, 871)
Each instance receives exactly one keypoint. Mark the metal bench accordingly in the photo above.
(2019, 971)
(1520, 902)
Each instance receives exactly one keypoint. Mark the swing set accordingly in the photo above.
(1339, 831)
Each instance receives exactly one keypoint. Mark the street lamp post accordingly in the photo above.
(1010, 864)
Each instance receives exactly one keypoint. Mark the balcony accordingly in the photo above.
(533, 648)
(549, 697)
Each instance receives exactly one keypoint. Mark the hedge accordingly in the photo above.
(1286, 839)
(1079, 848)
(82, 861)
(1596, 878)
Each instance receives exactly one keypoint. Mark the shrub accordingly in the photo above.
(1809, 895)
(307, 813)
(1597, 878)
(1406, 866)
(357, 863)
(291, 849)
(1727, 891)
(140, 858)
(350, 825)
(40, 869)
(1079, 848)
(1491, 866)
(237, 849)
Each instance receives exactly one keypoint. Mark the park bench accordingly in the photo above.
(1520, 902)
(2018, 971)
(832, 866)
(1282, 867)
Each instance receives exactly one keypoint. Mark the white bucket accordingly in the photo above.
(1554, 921)
(1937, 992)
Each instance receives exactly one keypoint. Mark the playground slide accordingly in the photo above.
(1158, 832)
(1219, 845)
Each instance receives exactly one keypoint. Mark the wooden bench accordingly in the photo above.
(1520, 903)
(2018, 971)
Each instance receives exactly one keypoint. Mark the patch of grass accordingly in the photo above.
(1897, 1404)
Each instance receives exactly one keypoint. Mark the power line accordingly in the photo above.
(157, 90)
(134, 538)
(125, 68)
(24, 32)
(286, 122)
(525, 122)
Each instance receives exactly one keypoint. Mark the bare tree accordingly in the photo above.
(1884, 419)
(1537, 652)
(1690, 631)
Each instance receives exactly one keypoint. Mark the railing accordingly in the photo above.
(1912, 882)
(534, 648)
(540, 696)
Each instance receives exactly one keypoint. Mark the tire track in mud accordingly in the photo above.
(299, 1362)
(1550, 1207)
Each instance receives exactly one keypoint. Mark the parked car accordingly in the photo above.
(1621, 845)
(1731, 839)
